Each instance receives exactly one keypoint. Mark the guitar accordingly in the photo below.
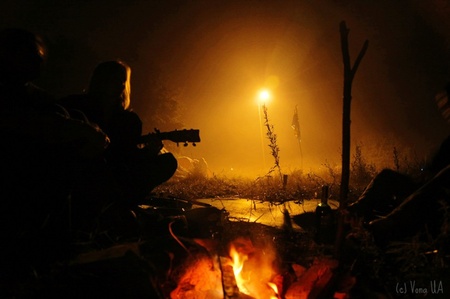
(176, 136)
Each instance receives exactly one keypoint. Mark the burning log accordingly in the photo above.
(247, 273)
(201, 279)
(230, 288)
(312, 283)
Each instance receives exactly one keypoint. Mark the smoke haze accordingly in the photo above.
(216, 55)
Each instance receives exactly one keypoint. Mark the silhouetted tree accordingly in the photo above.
(349, 74)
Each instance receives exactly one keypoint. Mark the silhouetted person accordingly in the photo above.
(423, 207)
(42, 151)
(383, 194)
(395, 206)
(107, 103)
(389, 188)
(423, 211)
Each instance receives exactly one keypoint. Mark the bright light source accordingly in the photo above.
(264, 96)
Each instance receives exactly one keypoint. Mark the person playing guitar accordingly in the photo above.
(135, 164)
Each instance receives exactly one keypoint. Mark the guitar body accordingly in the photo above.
(146, 169)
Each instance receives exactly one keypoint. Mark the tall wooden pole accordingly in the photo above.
(349, 74)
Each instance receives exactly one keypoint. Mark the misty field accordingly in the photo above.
(300, 185)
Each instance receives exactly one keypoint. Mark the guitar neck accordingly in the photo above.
(177, 136)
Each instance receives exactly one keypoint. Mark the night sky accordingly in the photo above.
(214, 56)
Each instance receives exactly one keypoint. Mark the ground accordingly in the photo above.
(172, 232)
(265, 212)
(167, 243)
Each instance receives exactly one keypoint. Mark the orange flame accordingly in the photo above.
(250, 280)
(238, 265)
(274, 288)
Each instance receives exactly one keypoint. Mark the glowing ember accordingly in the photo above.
(201, 280)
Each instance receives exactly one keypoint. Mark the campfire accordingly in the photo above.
(209, 256)
(247, 271)
(244, 261)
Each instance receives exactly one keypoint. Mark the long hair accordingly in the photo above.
(112, 77)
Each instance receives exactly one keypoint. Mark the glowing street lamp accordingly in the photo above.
(264, 96)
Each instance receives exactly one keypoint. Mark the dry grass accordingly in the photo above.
(300, 186)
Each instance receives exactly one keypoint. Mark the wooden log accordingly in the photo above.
(313, 282)
(230, 288)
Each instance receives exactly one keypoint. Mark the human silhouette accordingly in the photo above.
(389, 188)
(396, 205)
(106, 102)
(42, 151)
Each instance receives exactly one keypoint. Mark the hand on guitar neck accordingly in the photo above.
(152, 143)
(154, 140)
